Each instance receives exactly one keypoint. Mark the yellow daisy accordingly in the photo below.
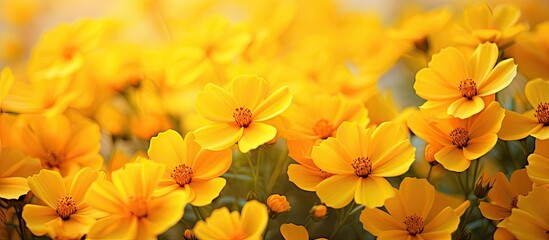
(531, 219)
(66, 213)
(225, 225)
(466, 87)
(134, 211)
(458, 141)
(538, 163)
(411, 214)
(534, 122)
(360, 158)
(504, 195)
(189, 168)
(239, 115)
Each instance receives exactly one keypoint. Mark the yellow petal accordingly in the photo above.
(254, 218)
(377, 221)
(39, 217)
(168, 148)
(255, 135)
(355, 137)
(230, 48)
(521, 182)
(6, 81)
(506, 16)
(165, 211)
(13, 187)
(373, 191)
(118, 226)
(524, 225)
(338, 191)
(218, 136)
(452, 158)
(48, 186)
(395, 161)
(273, 105)
(76, 227)
(249, 91)
(500, 77)
(215, 104)
(206, 191)
(464, 108)
(291, 231)
(331, 156)
(517, 126)
(482, 61)
(494, 212)
(105, 197)
(218, 225)
(304, 177)
(479, 146)
(419, 194)
(450, 56)
(82, 181)
(536, 92)
(537, 168)
(488, 121)
(211, 164)
(542, 133)
(427, 131)
(85, 139)
(445, 221)
(431, 86)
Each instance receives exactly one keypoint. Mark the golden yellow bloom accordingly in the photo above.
(15, 167)
(134, 211)
(360, 158)
(538, 163)
(466, 87)
(189, 168)
(531, 219)
(534, 122)
(504, 196)
(225, 225)
(483, 24)
(66, 214)
(459, 140)
(530, 52)
(411, 214)
(239, 115)
(278, 204)
(63, 143)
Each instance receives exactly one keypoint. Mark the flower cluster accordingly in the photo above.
(273, 119)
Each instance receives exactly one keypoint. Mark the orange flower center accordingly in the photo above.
(138, 206)
(54, 159)
(68, 52)
(414, 224)
(459, 137)
(242, 116)
(542, 113)
(323, 128)
(362, 166)
(182, 174)
(65, 207)
(514, 201)
(468, 88)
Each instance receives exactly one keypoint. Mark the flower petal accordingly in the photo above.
(536, 92)
(517, 126)
(39, 217)
(165, 211)
(479, 146)
(430, 86)
(500, 77)
(255, 135)
(419, 195)
(13, 187)
(118, 226)
(377, 221)
(494, 212)
(249, 91)
(82, 181)
(331, 156)
(452, 158)
(304, 177)
(446, 221)
(339, 190)
(211, 164)
(482, 61)
(168, 148)
(254, 218)
(464, 108)
(48, 186)
(274, 105)
(206, 191)
(218, 136)
(215, 104)
(291, 231)
(373, 191)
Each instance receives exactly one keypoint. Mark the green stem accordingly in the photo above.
(19, 212)
(474, 176)
(267, 229)
(458, 178)
(342, 220)
(276, 172)
(197, 213)
(252, 170)
(429, 173)
(463, 224)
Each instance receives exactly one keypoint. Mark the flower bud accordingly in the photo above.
(189, 235)
(430, 151)
(318, 212)
(483, 186)
(277, 204)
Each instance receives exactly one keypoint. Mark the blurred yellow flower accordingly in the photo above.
(225, 225)
(466, 87)
(531, 219)
(538, 163)
(530, 51)
(504, 195)
(66, 214)
(239, 115)
(189, 168)
(6, 82)
(410, 214)
(134, 211)
(360, 158)
(291, 231)
(15, 167)
(534, 122)
(459, 140)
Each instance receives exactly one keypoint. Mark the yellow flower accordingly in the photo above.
(63, 143)
(278, 204)
(134, 211)
(534, 122)
(223, 224)
(66, 213)
(504, 195)
(459, 141)
(483, 24)
(360, 158)
(6, 82)
(538, 163)
(466, 87)
(15, 167)
(530, 51)
(189, 168)
(411, 214)
(531, 219)
(239, 115)
(291, 231)
(312, 122)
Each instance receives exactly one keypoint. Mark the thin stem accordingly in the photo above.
(19, 213)
(267, 228)
(463, 224)
(197, 213)
(252, 170)
(276, 172)
(429, 173)
(342, 220)
(474, 175)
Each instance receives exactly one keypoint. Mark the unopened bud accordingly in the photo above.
(189, 235)
(277, 204)
(430, 151)
(483, 186)
(318, 212)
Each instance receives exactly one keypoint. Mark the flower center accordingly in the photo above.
(414, 224)
(242, 116)
(468, 88)
(138, 206)
(362, 166)
(514, 201)
(459, 137)
(323, 128)
(542, 113)
(182, 174)
(54, 159)
(65, 207)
